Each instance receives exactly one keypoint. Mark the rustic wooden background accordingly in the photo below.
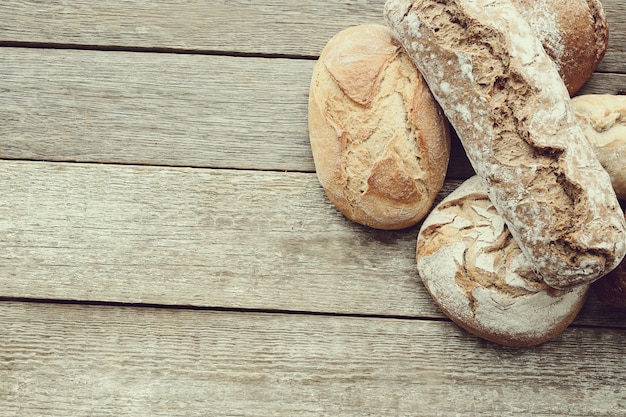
(166, 249)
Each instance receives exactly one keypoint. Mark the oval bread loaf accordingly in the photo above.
(380, 142)
(513, 114)
(478, 276)
(603, 120)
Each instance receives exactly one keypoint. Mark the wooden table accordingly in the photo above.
(166, 248)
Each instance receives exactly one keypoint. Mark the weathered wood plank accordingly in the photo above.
(167, 109)
(154, 109)
(201, 237)
(77, 360)
(217, 238)
(159, 109)
(274, 27)
(615, 58)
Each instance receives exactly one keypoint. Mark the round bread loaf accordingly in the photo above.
(380, 142)
(477, 274)
(575, 35)
(603, 119)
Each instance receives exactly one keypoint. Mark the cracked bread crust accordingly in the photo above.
(477, 274)
(603, 119)
(512, 112)
(380, 142)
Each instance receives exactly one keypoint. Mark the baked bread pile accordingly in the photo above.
(512, 253)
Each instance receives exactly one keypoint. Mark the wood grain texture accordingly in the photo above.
(615, 58)
(159, 109)
(168, 109)
(226, 26)
(100, 361)
(268, 27)
(149, 97)
(213, 238)
(198, 237)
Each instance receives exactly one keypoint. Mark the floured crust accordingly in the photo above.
(505, 98)
(575, 36)
(477, 274)
(603, 120)
(380, 142)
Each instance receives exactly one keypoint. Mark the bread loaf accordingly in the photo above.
(574, 34)
(380, 141)
(479, 277)
(504, 97)
(603, 120)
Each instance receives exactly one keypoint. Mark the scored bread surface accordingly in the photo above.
(504, 96)
(477, 274)
(380, 142)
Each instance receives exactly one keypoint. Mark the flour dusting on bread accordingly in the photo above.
(477, 274)
(512, 112)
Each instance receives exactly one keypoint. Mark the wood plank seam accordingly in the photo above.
(147, 49)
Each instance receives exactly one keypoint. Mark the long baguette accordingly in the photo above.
(504, 97)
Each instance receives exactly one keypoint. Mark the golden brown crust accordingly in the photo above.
(601, 27)
(575, 36)
(380, 142)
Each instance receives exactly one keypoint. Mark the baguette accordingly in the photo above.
(512, 112)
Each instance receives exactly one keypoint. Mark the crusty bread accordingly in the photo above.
(479, 277)
(603, 119)
(575, 35)
(513, 114)
(380, 142)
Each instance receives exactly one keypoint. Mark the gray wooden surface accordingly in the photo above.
(166, 249)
